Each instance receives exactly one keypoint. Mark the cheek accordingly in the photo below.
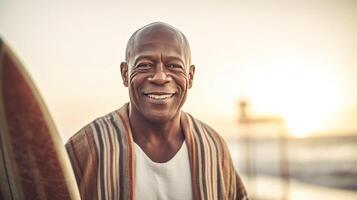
(182, 80)
(132, 75)
(135, 79)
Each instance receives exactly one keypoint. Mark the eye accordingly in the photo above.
(144, 65)
(174, 66)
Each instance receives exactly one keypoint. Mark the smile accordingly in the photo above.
(159, 96)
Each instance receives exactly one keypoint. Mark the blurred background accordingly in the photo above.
(276, 78)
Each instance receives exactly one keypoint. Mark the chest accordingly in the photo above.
(167, 180)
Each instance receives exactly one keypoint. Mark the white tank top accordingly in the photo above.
(163, 181)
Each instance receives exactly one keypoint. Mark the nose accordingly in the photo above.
(160, 75)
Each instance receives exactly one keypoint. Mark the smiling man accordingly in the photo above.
(149, 148)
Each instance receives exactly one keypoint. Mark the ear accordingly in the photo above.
(191, 74)
(124, 73)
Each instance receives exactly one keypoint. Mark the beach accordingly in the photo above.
(315, 168)
(269, 188)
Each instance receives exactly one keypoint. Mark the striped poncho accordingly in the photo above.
(103, 159)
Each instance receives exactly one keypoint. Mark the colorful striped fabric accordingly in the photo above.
(103, 159)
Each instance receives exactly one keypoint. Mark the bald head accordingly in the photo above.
(158, 31)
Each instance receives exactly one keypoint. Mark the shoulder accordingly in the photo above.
(205, 131)
(90, 130)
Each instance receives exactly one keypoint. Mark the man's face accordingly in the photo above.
(158, 75)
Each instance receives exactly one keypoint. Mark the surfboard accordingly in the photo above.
(33, 161)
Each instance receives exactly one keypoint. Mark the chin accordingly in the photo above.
(160, 117)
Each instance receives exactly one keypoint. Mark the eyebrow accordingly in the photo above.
(176, 59)
(142, 57)
(150, 57)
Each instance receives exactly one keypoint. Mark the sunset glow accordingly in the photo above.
(288, 59)
(276, 79)
(304, 92)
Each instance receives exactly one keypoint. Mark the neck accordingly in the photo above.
(146, 131)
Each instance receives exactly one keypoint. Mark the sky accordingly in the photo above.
(292, 59)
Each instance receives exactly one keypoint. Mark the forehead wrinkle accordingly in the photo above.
(141, 46)
(168, 49)
(154, 30)
(150, 50)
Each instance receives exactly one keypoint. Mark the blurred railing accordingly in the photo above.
(254, 128)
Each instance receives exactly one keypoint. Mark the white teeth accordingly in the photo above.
(160, 97)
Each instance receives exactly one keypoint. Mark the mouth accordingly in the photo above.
(159, 96)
